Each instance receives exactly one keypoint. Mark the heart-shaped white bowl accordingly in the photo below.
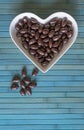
(17, 41)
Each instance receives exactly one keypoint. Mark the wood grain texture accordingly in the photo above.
(58, 101)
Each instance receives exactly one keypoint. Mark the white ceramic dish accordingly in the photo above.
(31, 58)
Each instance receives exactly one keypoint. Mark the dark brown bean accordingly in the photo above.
(20, 22)
(57, 27)
(32, 52)
(17, 27)
(45, 54)
(40, 28)
(51, 33)
(22, 92)
(69, 23)
(33, 20)
(48, 58)
(25, 45)
(26, 35)
(28, 90)
(64, 36)
(56, 37)
(16, 79)
(50, 43)
(24, 72)
(40, 52)
(22, 84)
(25, 20)
(46, 39)
(65, 41)
(56, 44)
(23, 31)
(70, 34)
(47, 25)
(43, 36)
(64, 22)
(41, 59)
(48, 50)
(35, 72)
(60, 46)
(40, 42)
(34, 46)
(53, 21)
(26, 80)
(14, 86)
(35, 26)
(51, 54)
(27, 40)
(32, 41)
(44, 63)
(37, 56)
(32, 32)
(37, 36)
(32, 84)
(45, 31)
(54, 50)
(63, 30)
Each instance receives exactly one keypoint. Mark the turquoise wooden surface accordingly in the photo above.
(58, 101)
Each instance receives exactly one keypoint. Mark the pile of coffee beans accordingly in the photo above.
(44, 41)
(24, 82)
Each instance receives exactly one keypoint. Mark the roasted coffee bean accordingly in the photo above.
(63, 30)
(44, 63)
(14, 86)
(60, 46)
(69, 23)
(35, 72)
(16, 79)
(41, 59)
(40, 28)
(39, 51)
(64, 22)
(33, 20)
(17, 27)
(50, 43)
(25, 45)
(46, 44)
(40, 42)
(48, 50)
(22, 84)
(51, 54)
(25, 20)
(56, 44)
(26, 35)
(37, 56)
(37, 36)
(32, 32)
(51, 33)
(45, 31)
(32, 84)
(56, 37)
(53, 21)
(47, 25)
(57, 27)
(22, 92)
(64, 36)
(27, 40)
(46, 39)
(32, 52)
(32, 41)
(20, 23)
(65, 41)
(54, 50)
(34, 46)
(69, 34)
(28, 90)
(24, 72)
(48, 58)
(35, 26)
(45, 54)
(43, 36)
(26, 80)
(23, 31)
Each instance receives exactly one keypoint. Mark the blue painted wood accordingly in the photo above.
(57, 103)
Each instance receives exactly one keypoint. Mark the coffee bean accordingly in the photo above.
(41, 59)
(40, 42)
(48, 50)
(37, 36)
(53, 21)
(48, 58)
(43, 36)
(40, 52)
(44, 63)
(37, 56)
(34, 47)
(25, 20)
(32, 41)
(51, 54)
(25, 45)
(40, 28)
(64, 22)
(64, 36)
(23, 31)
(47, 25)
(32, 32)
(32, 84)
(60, 46)
(56, 44)
(51, 33)
(24, 72)
(57, 37)
(54, 50)
(14, 86)
(69, 34)
(22, 84)
(45, 54)
(16, 79)
(22, 92)
(20, 23)
(65, 41)
(32, 52)
(46, 40)
(26, 35)
(35, 26)
(35, 72)
(17, 27)
(57, 27)
(63, 30)
(33, 20)
(26, 80)
(69, 23)
(28, 90)
(27, 40)
(50, 43)
(45, 31)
